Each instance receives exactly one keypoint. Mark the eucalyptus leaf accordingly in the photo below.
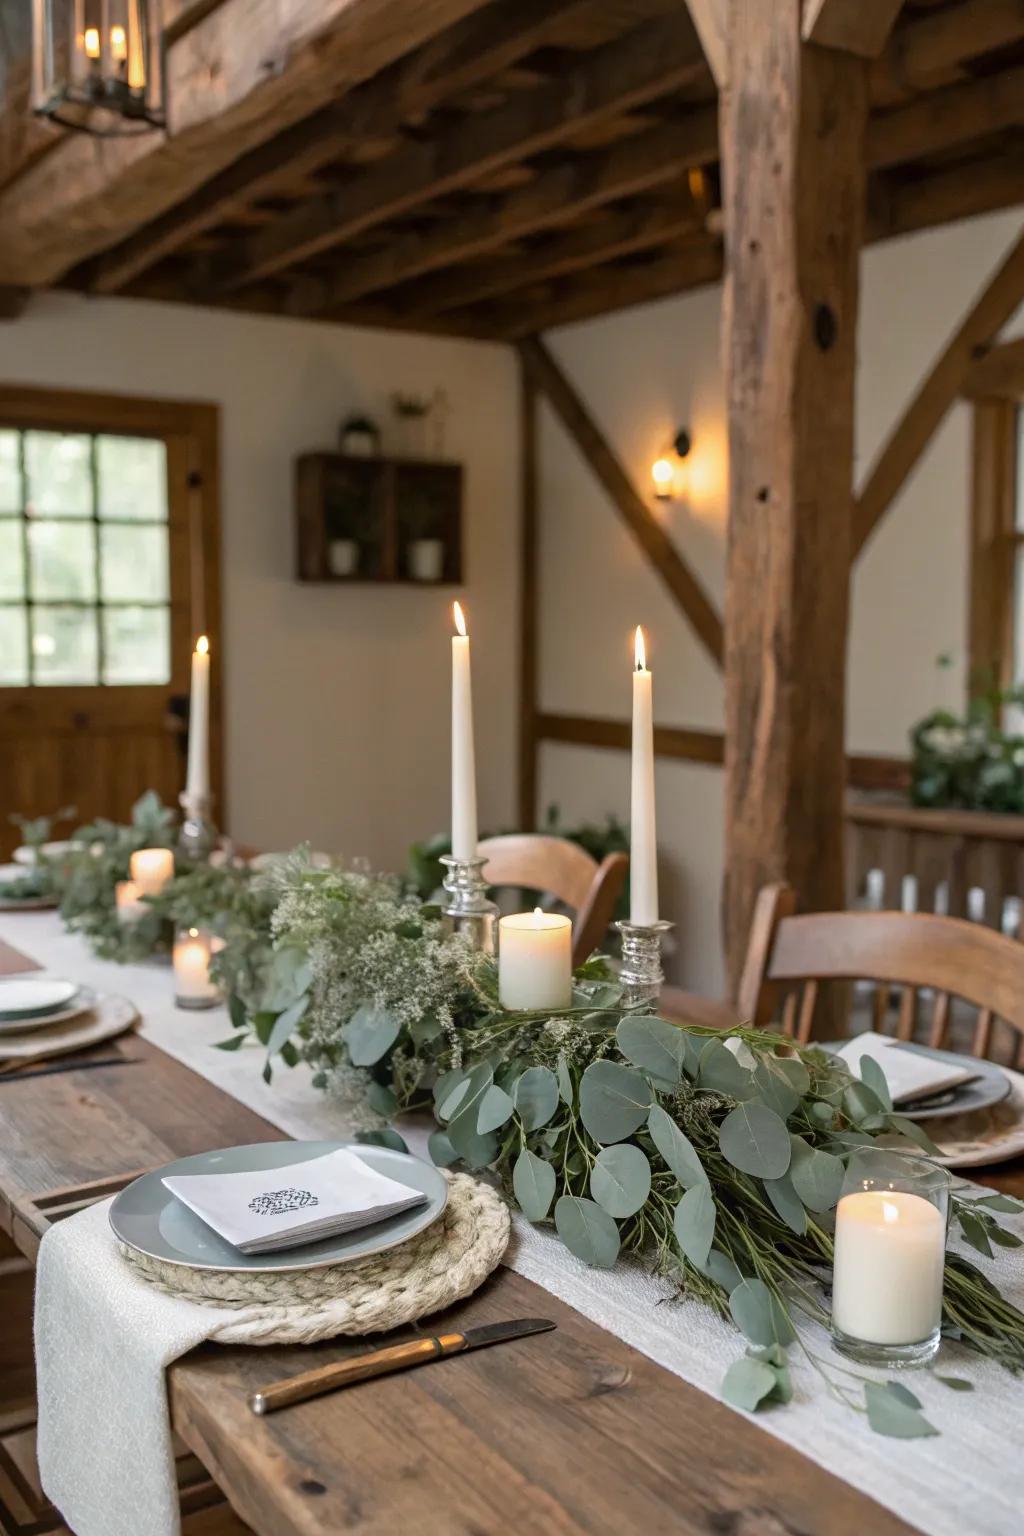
(955, 1383)
(236, 1012)
(620, 1180)
(446, 1084)
(787, 1203)
(817, 1176)
(1001, 1237)
(676, 1148)
(381, 1099)
(758, 1315)
(974, 1232)
(425, 1029)
(721, 1269)
(369, 1034)
(747, 1383)
(915, 1133)
(383, 1138)
(795, 1073)
(873, 1077)
(694, 1224)
(654, 1045)
(495, 1109)
(285, 1024)
(1001, 1203)
(442, 1153)
(476, 1151)
(587, 1230)
(231, 1044)
(888, 1415)
(614, 1101)
(754, 1139)
(774, 1089)
(720, 1072)
(464, 1100)
(536, 1097)
(564, 1081)
(533, 1183)
(860, 1103)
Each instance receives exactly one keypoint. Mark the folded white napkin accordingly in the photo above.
(909, 1074)
(103, 1337)
(278, 1208)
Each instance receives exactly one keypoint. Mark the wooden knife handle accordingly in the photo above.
(345, 1373)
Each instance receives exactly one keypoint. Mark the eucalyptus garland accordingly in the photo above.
(715, 1159)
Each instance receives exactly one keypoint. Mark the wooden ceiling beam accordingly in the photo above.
(942, 197)
(650, 62)
(682, 268)
(13, 302)
(620, 234)
(998, 373)
(473, 50)
(946, 118)
(711, 19)
(922, 418)
(853, 26)
(929, 52)
(241, 75)
(666, 560)
(650, 160)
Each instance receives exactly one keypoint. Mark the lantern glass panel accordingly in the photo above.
(96, 64)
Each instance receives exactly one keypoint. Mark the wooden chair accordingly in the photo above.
(903, 953)
(541, 863)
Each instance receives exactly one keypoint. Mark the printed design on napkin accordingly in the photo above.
(276, 1201)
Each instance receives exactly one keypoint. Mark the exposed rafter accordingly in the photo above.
(854, 26)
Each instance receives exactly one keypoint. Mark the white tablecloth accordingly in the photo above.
(969, 1479)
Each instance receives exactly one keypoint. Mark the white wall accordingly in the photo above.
(643, 373)
(336, 698)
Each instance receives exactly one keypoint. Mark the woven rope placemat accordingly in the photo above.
(438, 1267)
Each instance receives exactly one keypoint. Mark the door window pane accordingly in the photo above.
(133, 563)
(132, 475)
(62, 561)
(58, 470)
(12, 561)
(136, 645)
(13, 648)
(10, 472)
(64, 645)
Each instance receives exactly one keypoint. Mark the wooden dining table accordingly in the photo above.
(572, 1431)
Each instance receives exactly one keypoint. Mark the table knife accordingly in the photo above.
(381, 1362)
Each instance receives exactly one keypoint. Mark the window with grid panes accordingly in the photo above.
(84, 591)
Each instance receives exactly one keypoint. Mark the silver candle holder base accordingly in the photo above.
(198, 835)
(469, 910)
(641, 974)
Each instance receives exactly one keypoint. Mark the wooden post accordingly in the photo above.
(528, 599)
(792, 132)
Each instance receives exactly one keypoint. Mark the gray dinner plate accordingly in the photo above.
(147, 1217)
(990, 1086)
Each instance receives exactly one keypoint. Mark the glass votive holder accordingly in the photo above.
(193, 950)
(128, 902)
(890, 1251)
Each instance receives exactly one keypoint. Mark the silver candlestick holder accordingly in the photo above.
(198, 836)
(641, 974)
(469, 910)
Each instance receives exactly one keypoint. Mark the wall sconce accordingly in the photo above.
(666, 472)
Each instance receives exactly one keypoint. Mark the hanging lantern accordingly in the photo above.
(96, 64)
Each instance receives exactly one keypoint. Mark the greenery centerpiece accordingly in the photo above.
(972, 761)
(715, 1159)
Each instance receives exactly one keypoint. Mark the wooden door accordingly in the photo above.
(108, 572)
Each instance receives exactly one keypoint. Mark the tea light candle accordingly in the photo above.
(128, 901)
(890, 1248)
(535, 961)
(193, 988)
(151, 869)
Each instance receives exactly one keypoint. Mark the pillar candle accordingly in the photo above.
(464, 832)
(197, 782)
(128, 901)
(643, 852)
(192, 952)
(890, 1248)
(535, 961)
(151, 869)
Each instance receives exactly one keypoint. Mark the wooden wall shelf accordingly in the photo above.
(378, 520)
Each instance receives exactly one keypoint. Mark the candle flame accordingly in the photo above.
(890, 1212)
(662, 474)
(460, 618)
(118, 43)
(639, 651)
(202, 646)
(538, 915)
(92, 42)
(193, 933)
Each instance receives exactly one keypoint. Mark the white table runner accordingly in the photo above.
(971, 1477)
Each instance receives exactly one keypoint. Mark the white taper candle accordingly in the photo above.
(464, 830)
(643, 849)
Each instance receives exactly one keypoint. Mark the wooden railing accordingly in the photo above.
(964, 863)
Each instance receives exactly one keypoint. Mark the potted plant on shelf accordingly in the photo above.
(359, 437)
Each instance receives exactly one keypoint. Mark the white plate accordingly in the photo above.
(84, 1001)
(59, 850)
(109, 1015)
(990, 1135)
(29, 997)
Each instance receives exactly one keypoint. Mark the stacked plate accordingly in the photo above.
(43, 1016)
(23, 888)
(37, 1002)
